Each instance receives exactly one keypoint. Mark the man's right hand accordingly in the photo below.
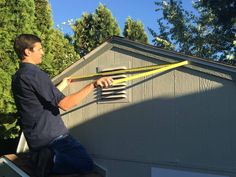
(103, 82)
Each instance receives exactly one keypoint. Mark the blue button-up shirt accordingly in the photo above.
(37, 101)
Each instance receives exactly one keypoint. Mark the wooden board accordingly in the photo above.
(23, 162)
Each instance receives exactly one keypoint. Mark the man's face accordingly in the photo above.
(37, 53)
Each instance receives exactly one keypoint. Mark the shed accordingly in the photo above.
(177, 123)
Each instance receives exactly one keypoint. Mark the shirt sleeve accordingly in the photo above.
(44, 87)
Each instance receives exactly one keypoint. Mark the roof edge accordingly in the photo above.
(172, 54)
(196, 63)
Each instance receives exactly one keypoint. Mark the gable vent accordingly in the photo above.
(117, 92)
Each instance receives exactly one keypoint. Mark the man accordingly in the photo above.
(38, 102)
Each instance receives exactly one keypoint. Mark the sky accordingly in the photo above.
(143, 10)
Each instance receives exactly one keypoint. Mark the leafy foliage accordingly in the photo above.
(199, 35)
(59, 53)
(93, 29)
(224, 25)
(17, 16)
(134, 30)
(225, 11)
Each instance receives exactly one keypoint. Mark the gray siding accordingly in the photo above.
(182, 118)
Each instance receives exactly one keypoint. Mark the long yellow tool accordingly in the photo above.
(154, 69)
(150, 72)
(123, 71)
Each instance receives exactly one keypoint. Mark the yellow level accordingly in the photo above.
(123, 71)
(159, 70)
(154, 69)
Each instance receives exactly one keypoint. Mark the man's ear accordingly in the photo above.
(27, 52)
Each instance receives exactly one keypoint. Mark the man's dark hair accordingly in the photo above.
(24, 41)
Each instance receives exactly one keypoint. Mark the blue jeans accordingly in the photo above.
(70, 156)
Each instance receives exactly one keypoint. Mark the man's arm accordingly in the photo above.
(75, 98)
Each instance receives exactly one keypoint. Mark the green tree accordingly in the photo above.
(198, 35)
(134, 30)
(62, 54)
(225, 11)
(44, 20)
(84, 32)
(222, 15)
(105, 24)
(44, 24)
(93, 29)
(175, 26)
(59, 53)
(16, 17)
